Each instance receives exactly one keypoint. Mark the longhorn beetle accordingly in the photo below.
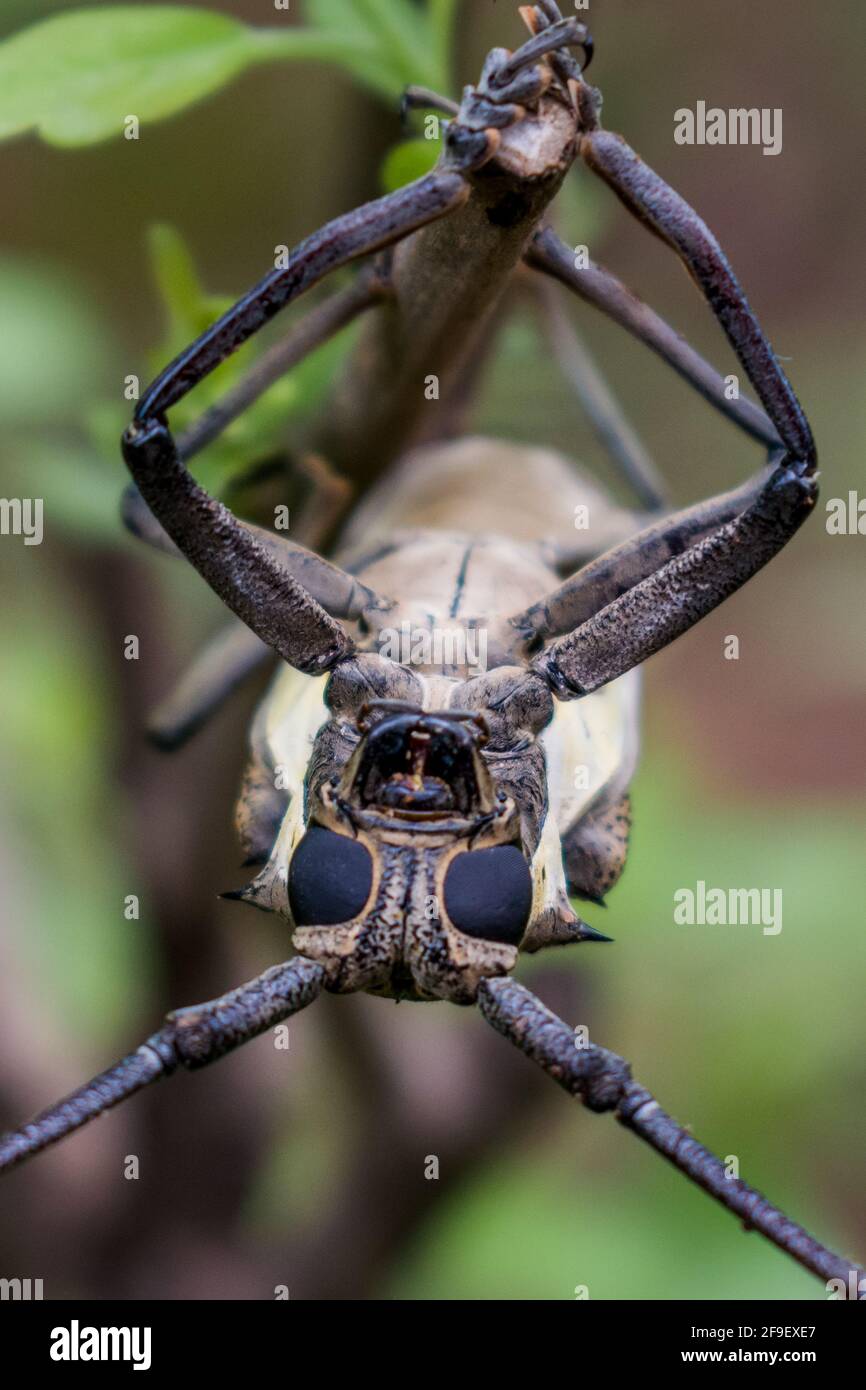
(421, 833)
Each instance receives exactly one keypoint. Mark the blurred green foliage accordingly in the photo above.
(96, 66)
(76, 77)
(409, 160)
(189, 310)
(66, 837)
(46, 359)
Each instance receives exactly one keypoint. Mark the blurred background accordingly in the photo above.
(305, 1167)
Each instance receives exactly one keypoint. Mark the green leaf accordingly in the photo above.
(80, 485)
(189, 310)
(408, 161)
(397, 44)
(77, 76)
(374, 62)
(442, 14)
(401, 28)
(177, 281)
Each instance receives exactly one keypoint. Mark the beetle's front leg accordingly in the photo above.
(357, 233)
(688, 583)
(661, 607)
(237, 565)
(670, 217)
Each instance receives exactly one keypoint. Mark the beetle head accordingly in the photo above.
(415, 874)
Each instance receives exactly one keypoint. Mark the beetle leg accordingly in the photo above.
(677, 586)
(548, 37)
(260, 809)
(222, 665)
(234, 562)
(309, 333)
(600, 288)
(509, 83)
(368, 228)
(607, 577)
(191, 1037)
(543, 16)
(423, 99)
(235, 653)
(661, 607)
(620, 439)
(594, 850)
(238, 565)
(670, 217)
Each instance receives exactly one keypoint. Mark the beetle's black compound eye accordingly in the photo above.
(488, 893)
(330, 878)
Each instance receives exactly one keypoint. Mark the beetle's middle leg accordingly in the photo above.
(594, 850)
(598, 286)
(578, 367)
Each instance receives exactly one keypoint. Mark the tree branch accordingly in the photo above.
(445, 282)
(603, 1081)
